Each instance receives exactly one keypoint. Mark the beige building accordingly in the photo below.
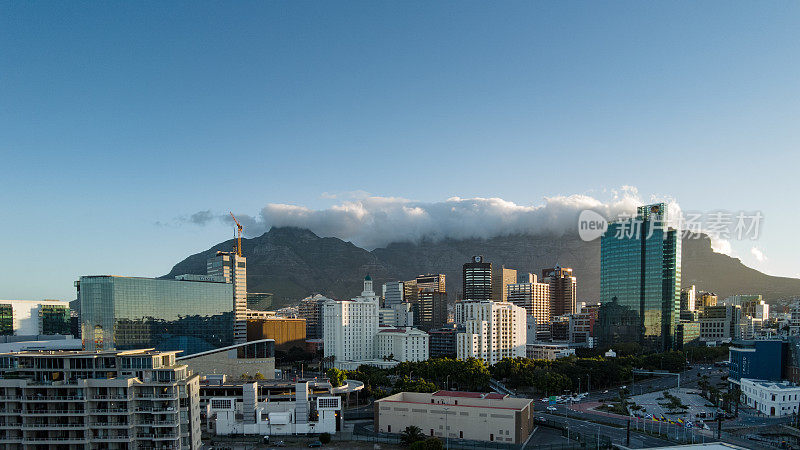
(475, 416)
(492, 331)
(107, 399)
(501, 278)
(249, 358)
(534, 298)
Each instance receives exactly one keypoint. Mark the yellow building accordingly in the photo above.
(286, 333)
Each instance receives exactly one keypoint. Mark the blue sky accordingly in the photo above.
(119, 118)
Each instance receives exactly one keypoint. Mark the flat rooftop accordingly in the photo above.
(460, 399)
(79, 353)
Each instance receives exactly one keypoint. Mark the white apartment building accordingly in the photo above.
(350, 326)
(402, 344)
(248, 416)
(548, 351)
(775, 399)
(106, 399)
(493, 330)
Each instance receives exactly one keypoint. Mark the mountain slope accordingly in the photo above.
(293, 263)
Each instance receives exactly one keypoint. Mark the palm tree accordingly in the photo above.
(410, 435)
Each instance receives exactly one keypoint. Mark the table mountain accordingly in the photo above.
(293, 263)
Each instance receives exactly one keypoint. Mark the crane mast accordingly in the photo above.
(239, 229)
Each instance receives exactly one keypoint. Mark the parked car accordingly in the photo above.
(315, 444)
(280, 444)
(552, 408)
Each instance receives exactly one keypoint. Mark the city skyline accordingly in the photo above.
(121, 120)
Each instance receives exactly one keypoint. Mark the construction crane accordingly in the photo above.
(239, 229)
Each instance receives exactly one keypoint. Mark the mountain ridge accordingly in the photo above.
(294, 262)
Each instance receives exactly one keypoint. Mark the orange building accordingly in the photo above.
(286, 332)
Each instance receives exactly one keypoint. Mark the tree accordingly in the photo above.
(430, 443)
(258, 376)
(325, 438)
(411, 435)
(336, 376)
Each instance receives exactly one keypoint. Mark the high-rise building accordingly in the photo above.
(399, 315)
(410, 291)
(501, 278)
(432, 309)
(392, 293)
(534, 298)
(127, 313)
(259, 301)
(350, 326)
(563, 290)
(442, 342)
(131, 399)
(492, 330)
(640, 278)
(720, 323)
(233, 268)
(703, 300)
(310, 308)
(477, 280)
(688, 298)
(434, 282)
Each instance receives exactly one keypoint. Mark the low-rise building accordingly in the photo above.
(246, 415)
(475, 416)
(775, 399)
(248, 359)
(106, 399)
(547, 351)
(401, 344)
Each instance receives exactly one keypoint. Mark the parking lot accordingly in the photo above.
(689, 397)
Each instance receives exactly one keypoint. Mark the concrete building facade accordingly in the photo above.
(402, 344)
(248, 358)
(489, 417)
(492, 330)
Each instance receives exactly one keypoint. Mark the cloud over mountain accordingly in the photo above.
(373, 221)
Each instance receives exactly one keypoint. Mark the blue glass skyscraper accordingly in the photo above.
(640, 280)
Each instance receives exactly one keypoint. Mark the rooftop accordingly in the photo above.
(464, 394)
(83, 353)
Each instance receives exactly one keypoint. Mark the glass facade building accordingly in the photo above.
(477, 280)
(6, 320)
(640, 279)
(55, 319)
(129, 313)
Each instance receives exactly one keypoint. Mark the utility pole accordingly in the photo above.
(628, 434)
(719, 426)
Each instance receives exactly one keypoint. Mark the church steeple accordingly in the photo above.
(368, 292)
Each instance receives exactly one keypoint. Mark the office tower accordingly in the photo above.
(559, 328)
(492, 330)
(259, 301)
(399, 315)
(753, 305)
(703, 300)
(126, 313)
(434, 282)
(688, 298)
(350, 326)
(501, 278)
(563, 290)
(392, 293)
(640, 278)
(410, 291)
(720, 323)
(442, 343)
(477, 281)
(432, 309)
(34, 317)
(310, 308)
(534, 298)
(233, 268)
(132, 399)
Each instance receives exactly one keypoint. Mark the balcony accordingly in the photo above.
(110, 397)
(58, 426)
(52, 398)
(111, 411)
(112, 438)
(53, 412)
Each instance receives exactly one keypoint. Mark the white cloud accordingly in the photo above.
(758, 254)
(374, 221)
